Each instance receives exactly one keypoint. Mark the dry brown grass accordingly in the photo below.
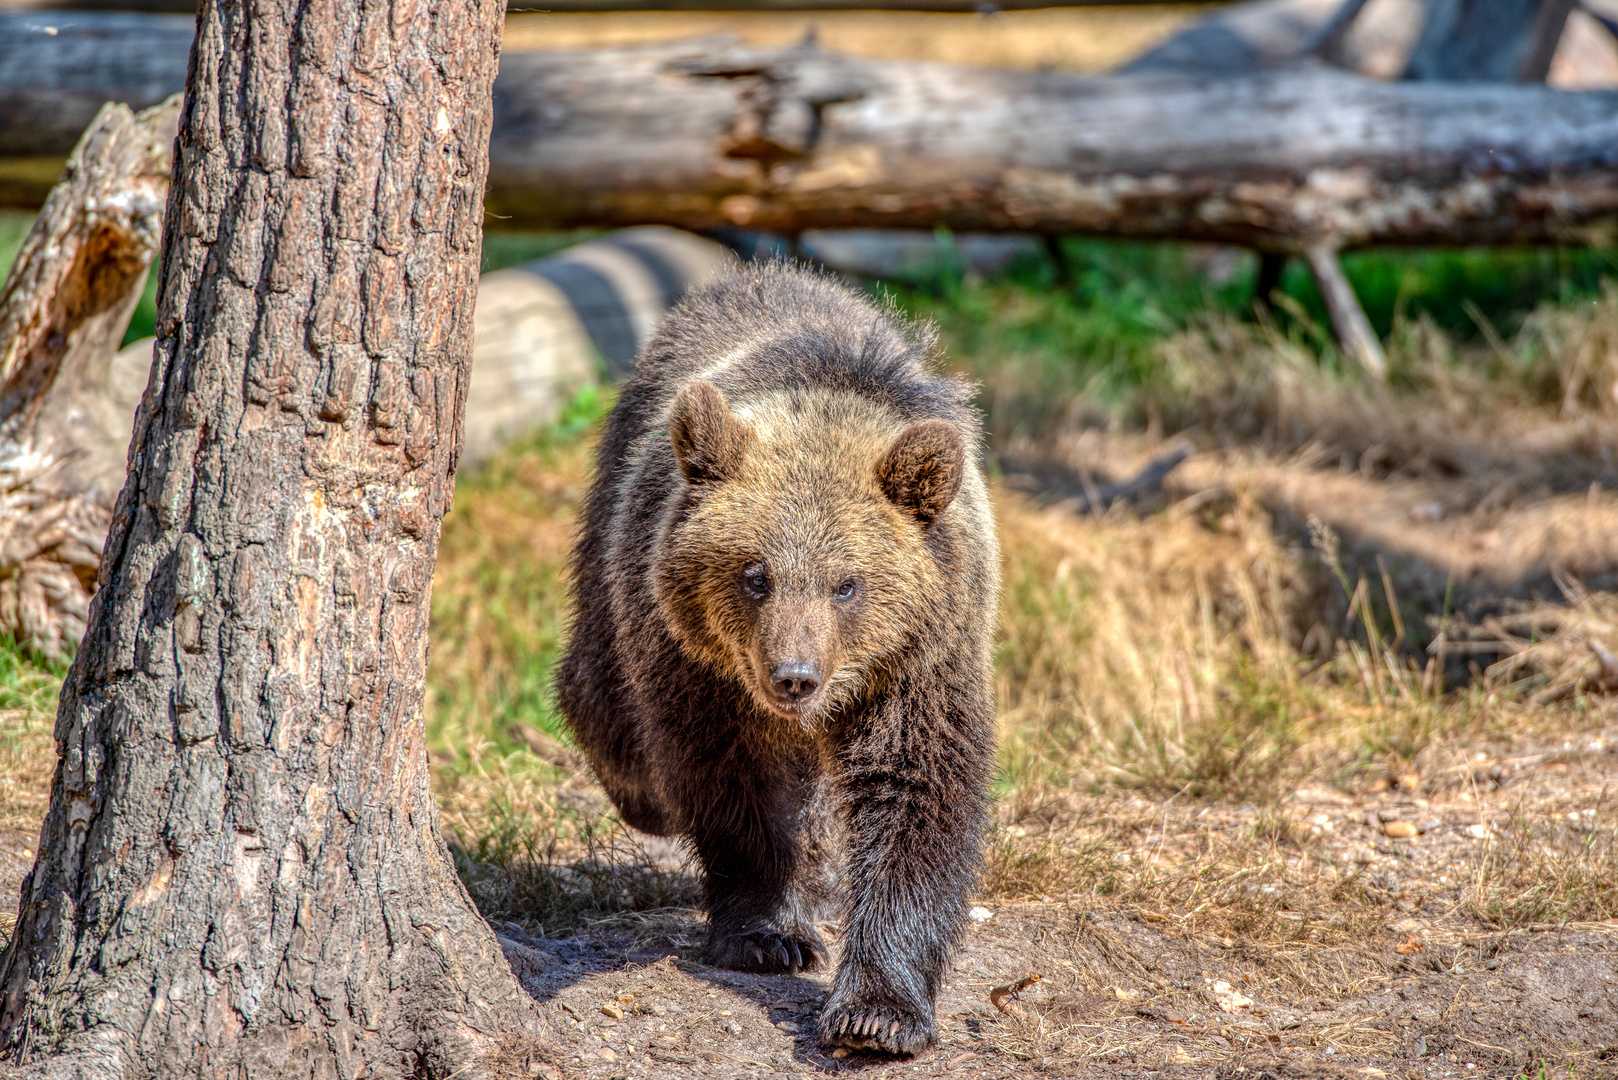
(499, 597)
(1463, 494)
(1183, 663)
(1555, 650)
(1150, 675)
(27, 755)
(1147, 650)
(1252, 660)
(1311, 914)
(1068, 39)
(1453, 408)
(27, 759)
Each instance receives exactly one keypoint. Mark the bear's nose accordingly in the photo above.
(795, 679)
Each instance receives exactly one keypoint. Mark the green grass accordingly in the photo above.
(14, 226)
(503, 249)
(28, 682)
(1038, 342)
(499, 595)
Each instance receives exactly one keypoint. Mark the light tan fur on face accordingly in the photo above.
(805, 503)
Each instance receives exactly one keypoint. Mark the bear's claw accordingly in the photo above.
(767, 952)
(883, 1029)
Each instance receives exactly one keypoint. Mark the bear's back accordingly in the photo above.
(760, 329)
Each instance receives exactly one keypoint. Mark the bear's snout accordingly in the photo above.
(795, 680)
(796, 654)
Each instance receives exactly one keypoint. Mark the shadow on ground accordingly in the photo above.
(1118, 997)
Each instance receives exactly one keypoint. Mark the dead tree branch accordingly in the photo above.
(63, 312)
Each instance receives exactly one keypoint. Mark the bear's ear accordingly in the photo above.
(922, 470)
(709, 442)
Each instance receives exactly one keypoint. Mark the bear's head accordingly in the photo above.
(797, 555)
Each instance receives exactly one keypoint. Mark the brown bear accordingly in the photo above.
(787, 579)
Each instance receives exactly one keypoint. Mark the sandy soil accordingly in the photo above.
(620, 1007)
(1418, 986)
(1420, 989)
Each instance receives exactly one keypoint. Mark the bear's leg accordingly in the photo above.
(912, 774)
(764, 876)
(594, 697)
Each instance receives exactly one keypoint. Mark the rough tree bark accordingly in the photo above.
(241, 871)
(63, 311)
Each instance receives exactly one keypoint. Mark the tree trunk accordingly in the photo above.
(242, 871)
(701, 135)
(66, 302)
(1488, 40)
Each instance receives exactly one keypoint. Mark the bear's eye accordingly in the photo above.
(756, 584)
(845, 591)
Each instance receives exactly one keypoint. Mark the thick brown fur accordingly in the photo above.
(787, 580)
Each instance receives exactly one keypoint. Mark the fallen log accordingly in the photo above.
(703, 135)
(1297, 161)
(707, 136)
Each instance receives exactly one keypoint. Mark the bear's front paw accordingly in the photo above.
(885, 1028)
(767, 951)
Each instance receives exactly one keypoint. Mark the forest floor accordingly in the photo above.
(1313, 938)
(1309, 743)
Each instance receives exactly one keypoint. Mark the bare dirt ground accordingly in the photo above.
(1393, 933)
(1334, 937)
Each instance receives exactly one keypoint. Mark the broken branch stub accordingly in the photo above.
(1354, 332)
(63, 313)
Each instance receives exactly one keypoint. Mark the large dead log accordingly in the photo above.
(64, 433)
(57, 71)
(705, 136)
(702, 134)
